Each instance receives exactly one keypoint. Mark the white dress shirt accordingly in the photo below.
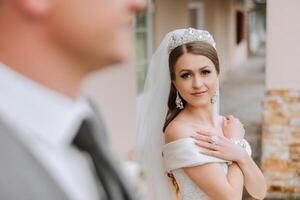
(47, 122)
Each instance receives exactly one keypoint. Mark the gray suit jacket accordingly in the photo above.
(22, 177)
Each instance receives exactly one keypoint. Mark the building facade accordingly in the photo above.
(281, 125)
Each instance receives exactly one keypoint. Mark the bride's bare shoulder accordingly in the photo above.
(177, 129)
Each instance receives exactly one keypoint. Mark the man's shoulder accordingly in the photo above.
(21, 174)
(5, 128)
(10, 144)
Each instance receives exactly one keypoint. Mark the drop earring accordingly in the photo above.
(178, 101)
(213, 98)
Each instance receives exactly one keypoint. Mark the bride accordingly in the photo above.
(187, 148)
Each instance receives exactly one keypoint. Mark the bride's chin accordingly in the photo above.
(199, 104)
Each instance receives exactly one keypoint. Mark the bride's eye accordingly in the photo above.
(205, 72)
(185, 75)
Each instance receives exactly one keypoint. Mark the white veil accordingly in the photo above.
(152, 110)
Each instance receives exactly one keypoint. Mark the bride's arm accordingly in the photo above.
(210, 177)
(253, 178)
(215, 183)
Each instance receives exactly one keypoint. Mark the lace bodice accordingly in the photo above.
(184, 153)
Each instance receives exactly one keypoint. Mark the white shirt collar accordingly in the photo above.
(42, 113)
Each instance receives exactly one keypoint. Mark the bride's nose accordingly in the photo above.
(197, 82)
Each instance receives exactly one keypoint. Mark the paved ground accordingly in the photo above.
(242, 95)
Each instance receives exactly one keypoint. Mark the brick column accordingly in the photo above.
(281, 143)
(281, 124)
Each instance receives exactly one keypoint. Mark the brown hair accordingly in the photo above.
(197, 48)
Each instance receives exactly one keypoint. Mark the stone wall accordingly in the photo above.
(281, 144)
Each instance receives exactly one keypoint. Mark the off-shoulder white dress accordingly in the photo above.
(185, 153)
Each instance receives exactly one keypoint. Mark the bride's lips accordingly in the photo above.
(199, 94)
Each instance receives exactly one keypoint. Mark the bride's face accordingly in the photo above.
(195, 79)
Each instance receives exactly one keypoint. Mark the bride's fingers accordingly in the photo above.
(224, 123)
(207, 145)
(208, 138)
(206, 133)
(201, 137)
(230, 117)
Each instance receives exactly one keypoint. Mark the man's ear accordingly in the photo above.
(33, 8)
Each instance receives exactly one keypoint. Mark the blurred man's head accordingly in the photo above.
(94, 33)
(98, 31)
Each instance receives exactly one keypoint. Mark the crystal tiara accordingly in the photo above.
(190, 35)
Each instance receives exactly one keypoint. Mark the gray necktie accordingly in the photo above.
(92, 139)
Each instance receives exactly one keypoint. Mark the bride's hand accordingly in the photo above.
(219, 147)
(233, 128)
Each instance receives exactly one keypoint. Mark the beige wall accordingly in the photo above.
(239, 52)
(114, 90)
(168, 15)
(220, 21)
(283, 49)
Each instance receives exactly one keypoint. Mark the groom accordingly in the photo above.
(52, 144)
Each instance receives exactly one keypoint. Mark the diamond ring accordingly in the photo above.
(215, 139)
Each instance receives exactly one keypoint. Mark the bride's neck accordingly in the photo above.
(203, 114)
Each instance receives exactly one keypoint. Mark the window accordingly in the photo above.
(143, 49)
(196, 15)
(239, 26)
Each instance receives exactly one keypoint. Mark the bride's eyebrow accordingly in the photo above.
(189, 70)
